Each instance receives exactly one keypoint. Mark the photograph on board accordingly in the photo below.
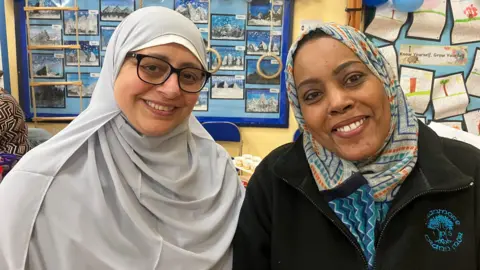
(233, 57)
(259, 13)
(116, 10)
(89, 54)
(106, 33)
(202, 102)
(89, 81)
(49, 96)
(87, 22)
(45, 34)
(258, 40)
(195, 10)
(47, 65)
(45, 14)
(228, 27)
(227, 87)
(262, 101)
(268, 66)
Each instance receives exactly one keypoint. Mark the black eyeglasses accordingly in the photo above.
(156, 71)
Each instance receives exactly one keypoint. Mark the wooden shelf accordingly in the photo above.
(52, 119)
(55, 83)
(53, 47)
(50, 8)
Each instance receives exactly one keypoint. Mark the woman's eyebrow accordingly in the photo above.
(167, 59)
(344, 66)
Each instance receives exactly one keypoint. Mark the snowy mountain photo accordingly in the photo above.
(88, 82)
(227, 27)
(46, 65)
(106, 33)
(267, 67)
(257, 42)
(195, 10)
(45, 34)
(87, 23)
(227, 87)
(232, 59)
(49, 96)
(44, 14)
(261, 101)
(89, 54)
(202, 102)
(116, 10)
(259, 13)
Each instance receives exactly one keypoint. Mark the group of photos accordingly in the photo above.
(236, 79)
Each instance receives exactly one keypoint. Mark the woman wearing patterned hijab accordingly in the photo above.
(134, 182)
(366, 186)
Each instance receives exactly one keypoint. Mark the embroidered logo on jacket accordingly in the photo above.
(443, 232)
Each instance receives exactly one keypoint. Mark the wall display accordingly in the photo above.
(106, 33)
(258, 40)
(89, 81)
(45, 34)
(87, 22)
(436, 54)
(238, 30)
(48, 65)
(116, 10)
(195, 10)
(49, 96)
(45, 14)
(387, 22)
(233, 57)
(89, 54)
(262, 100)
(231, 27)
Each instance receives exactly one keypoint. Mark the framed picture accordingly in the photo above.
(233, 57)
(116, 10)
(227, 87)
(262, 101)
(228, 27)
(89, 54)
(106, 33)
(195, 10)
(87, 22)
(49, 96)
(47, 65)
(269, 67)
(89, 81)
(45, 34)
(45, 14)
(258, 40)
(259, 13)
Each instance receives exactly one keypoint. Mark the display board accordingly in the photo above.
(435, 54)
(239, 31)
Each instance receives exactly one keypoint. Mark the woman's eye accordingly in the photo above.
(354, 79)
(151, 68)
(312, 95)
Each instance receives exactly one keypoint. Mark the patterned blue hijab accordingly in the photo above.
(396, 159)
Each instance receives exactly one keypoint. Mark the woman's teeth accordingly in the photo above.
(159, 107)
(352, 126)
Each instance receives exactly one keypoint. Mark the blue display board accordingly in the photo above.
(3, 47)
(240, 32)
(434, 52)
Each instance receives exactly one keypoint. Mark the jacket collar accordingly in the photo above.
(433, 170)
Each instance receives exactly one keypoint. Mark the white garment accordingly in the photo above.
(99, 195)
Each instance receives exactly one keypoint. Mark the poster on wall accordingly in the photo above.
(438, 60)
(387, 22)
(240, 31)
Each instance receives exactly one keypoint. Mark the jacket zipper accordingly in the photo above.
(405, 204)
(354, 243)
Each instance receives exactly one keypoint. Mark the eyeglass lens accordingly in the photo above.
(156, 71)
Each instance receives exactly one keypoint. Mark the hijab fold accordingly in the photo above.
(99, 195)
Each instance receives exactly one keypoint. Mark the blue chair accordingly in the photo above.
(297, 134)
(224, 132)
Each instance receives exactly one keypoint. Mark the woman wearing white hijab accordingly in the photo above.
(134, 182)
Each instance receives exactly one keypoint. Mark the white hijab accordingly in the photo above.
(98, 195)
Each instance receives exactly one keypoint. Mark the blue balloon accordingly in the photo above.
(374, 3)
(407, 5)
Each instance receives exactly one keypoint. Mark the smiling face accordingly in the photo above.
(155, 110)
(343, 103)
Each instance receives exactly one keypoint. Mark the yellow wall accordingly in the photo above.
(257, 141)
